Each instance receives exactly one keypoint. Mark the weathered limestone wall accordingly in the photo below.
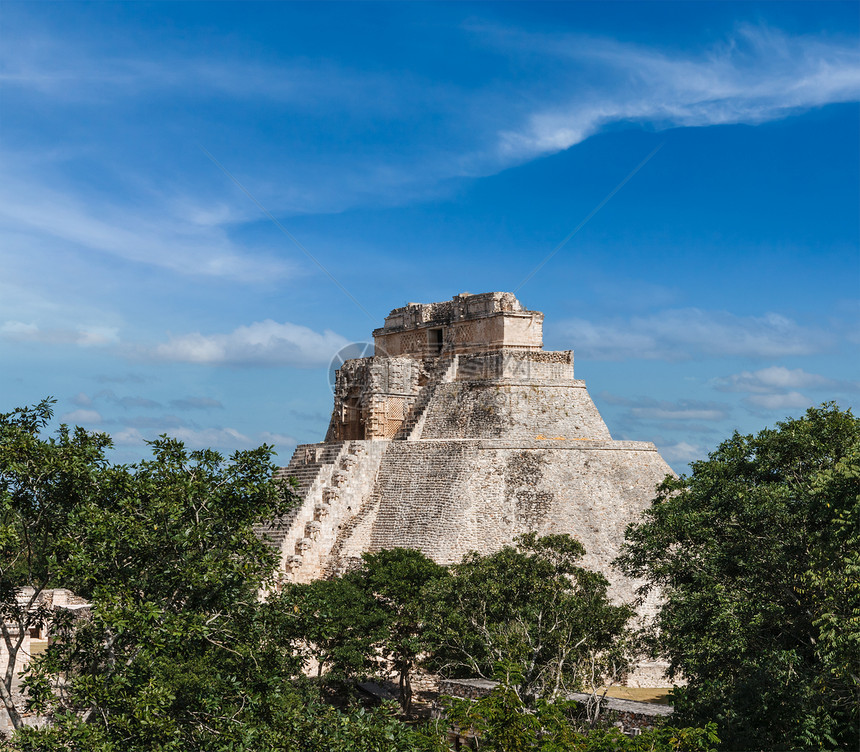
(511, 331)
(336, 503)
(491, 410)
(446, 498)
(459, 308)
(35, 638)
(525, 366)
(629, 716)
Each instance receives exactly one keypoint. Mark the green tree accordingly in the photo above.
(756, 558)
(399, 581)
(166, 553)
(502, 722)
(369, 620)
(336, 624)
(531, 617)
(178, 651)
(43, 485)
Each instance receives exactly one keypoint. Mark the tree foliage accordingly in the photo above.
(179, 651)
(530, 617)
(502, 722)
(399, 581)
(44, 485)
(369, 620)
(756, 557)
(336, 626)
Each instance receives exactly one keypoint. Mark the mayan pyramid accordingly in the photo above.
(460, 433)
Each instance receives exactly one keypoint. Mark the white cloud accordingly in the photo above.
(266, 343)
(128, 437)
(757, 75)
(681, 334)
(92, 336)
(774, 378)
(278, 439)
(779, 401)
(228, 439)
(775, 387)
(78, 417)
(682, 452)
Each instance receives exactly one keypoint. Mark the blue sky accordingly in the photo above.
(418, 151)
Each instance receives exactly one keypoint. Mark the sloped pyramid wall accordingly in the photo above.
(490, 453)
(446, 498)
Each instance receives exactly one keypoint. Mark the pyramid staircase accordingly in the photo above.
(330, 480)
(308, 463)
(443, 372)
(335, 502)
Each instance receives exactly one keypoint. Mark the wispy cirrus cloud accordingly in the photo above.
(47, 65)
(162, 233)
(263, 343)
(757, 74)
(578, 86)
(684, 333)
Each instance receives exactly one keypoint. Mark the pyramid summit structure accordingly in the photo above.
(459, 434)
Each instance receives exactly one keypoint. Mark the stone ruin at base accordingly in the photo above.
(459, 434)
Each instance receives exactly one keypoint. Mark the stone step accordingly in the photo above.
(424, 398)
(305, 473)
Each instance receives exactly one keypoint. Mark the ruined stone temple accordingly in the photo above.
(460, 433)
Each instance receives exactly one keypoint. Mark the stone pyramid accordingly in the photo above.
(460, 433)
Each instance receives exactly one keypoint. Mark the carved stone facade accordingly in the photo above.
(494, 321)
(459, 434)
